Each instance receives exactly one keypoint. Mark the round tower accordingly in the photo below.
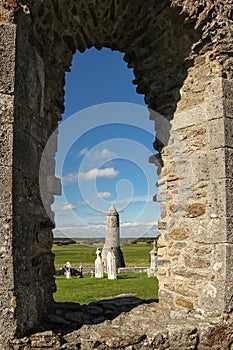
(112, 237)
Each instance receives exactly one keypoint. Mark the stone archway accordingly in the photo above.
(180, 53)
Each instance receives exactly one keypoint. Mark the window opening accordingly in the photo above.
(105, 165)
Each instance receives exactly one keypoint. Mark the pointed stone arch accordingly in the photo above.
(180, 56)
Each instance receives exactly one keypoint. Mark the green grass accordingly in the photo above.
(87, 289)
(134, 254)
(137, 254)
(75, 253)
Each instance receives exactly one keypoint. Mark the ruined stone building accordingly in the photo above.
(181, 54)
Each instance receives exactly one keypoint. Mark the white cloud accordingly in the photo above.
(136, 199)
(107, 173)
(84, 202)
(83, 152)
(97, 229)
(98, 213)
(103, 195)
(69, 179)
(105, 153)
(63, 206)
(97, 223)
(146, 225)
(130, 224)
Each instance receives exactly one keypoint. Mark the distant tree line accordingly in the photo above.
(63, 241)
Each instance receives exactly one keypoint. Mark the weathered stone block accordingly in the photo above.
(163, 262)
(214, 90)
(180, 337)
(220, 133)
(217, 164)
(7, 314)
(196, 262)
(200, 166)
(180, 233)
(229, 264)
(228, 164)
(30, 78)
(6, 237)
(194, 276)
(229, 195)
(213, 336)
(182, 287)
(179, 245)
(216, 129)
(27, 197)
(202, 250)
(45, 340)
(6, 108)
(7, 275)
(214, 109)
(229, 229)
(6, 191)
(162, 252)
(209, 230)
(227, 86)
(199, 191)
(161, 225)
(212, 296)
(194, 210)
(162, 270)
(228, 296)
(228, 128)
(41, 60)
(54, 185)
(228, 108)
(7, 71)
(184, 302)
(27, 153)
(189, 117)
(6, 144)
(174, 252)
(217, 198)
(38, 131)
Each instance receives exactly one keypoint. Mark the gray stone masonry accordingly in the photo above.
(181, 54)
(112, 238)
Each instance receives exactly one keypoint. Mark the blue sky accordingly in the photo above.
(105, 141)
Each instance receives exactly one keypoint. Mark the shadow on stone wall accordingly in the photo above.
(67, 317)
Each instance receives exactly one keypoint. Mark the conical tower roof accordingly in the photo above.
(112, 210)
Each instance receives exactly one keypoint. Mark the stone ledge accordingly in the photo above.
(144, 325)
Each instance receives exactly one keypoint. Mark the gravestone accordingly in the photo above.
(153, 260)
(67, 270)
(181, 53)
(99, 269)
(111, 265)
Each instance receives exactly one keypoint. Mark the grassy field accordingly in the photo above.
(87, 289)
(134, 254)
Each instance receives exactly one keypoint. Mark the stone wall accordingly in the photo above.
(180, 53)
(7, 301)
(196, 242)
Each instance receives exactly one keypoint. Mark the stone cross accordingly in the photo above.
(99, 269)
